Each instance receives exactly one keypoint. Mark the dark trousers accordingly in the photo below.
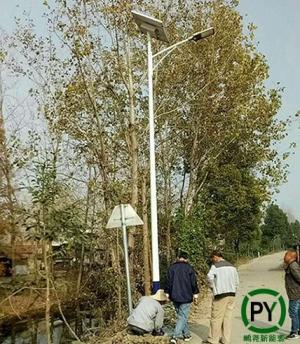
(294, 313)
(136, 330)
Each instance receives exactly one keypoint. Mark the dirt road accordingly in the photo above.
(264, 272)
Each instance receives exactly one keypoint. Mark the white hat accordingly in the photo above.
(160, 296)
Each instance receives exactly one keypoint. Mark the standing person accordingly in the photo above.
(148, 315)
(182, 289)
(223, 280)
(292, 286)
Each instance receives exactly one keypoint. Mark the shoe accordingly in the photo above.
(158, 332)
(174, 341)
(292, 336)
(187, 338)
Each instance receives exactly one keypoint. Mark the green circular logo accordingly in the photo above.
(259, 307)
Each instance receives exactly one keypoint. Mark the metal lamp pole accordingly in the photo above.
(153, 28)
(153, 197)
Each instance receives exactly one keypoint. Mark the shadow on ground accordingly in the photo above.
(199, 330)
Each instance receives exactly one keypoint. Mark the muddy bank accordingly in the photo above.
(29, 326)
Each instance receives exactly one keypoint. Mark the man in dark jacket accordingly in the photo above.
(182, 289)
(292, 285)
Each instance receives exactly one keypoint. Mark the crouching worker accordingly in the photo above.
(148, 315)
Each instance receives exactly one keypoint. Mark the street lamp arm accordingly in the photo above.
(167, 54)
(172, 47)
(194, 37)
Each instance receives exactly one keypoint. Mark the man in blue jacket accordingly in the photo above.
(182, 289)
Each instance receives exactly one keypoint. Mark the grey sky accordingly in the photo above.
(278, 34)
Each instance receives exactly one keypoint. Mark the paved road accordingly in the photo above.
(264, 272)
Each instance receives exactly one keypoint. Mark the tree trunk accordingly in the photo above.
(78, 322)
(7, 173)
(169, 218)
(146, 244)
(34, 331)
(13, 334)
(192, 179)
(133, 144)
(167, 214)
(47, 295)
(119, 271)
(115, 258)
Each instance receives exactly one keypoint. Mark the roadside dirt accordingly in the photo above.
(199, 313)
